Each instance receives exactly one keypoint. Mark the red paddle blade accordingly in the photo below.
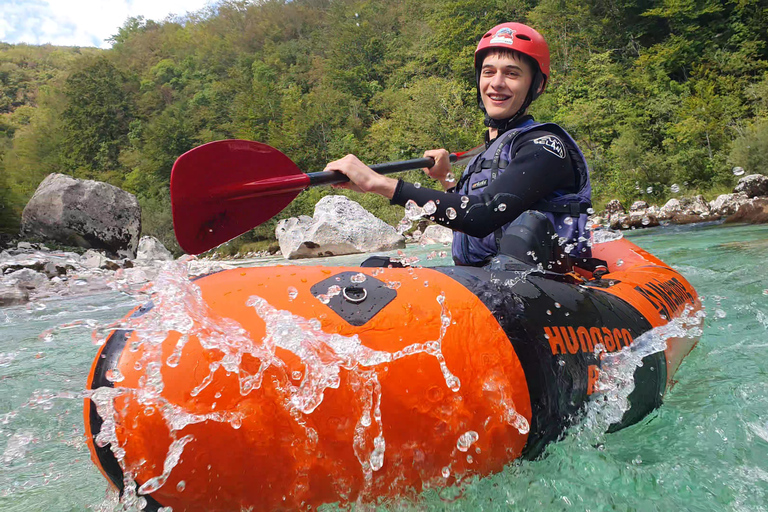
(466, 155)
(222, 189)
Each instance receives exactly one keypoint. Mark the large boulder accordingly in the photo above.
(753, 185)
(84, 213)
(339, 226)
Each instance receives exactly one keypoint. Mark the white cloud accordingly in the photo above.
(80, 22)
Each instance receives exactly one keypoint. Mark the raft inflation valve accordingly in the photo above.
(358, 297)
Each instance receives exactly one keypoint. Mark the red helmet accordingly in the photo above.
(519, 37)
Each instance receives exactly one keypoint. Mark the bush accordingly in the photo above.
(750, 151)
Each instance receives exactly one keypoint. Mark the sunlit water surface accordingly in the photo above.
(706, 448)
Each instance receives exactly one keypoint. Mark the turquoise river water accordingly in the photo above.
(705, 449)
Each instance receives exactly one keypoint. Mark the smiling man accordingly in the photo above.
(529, 173)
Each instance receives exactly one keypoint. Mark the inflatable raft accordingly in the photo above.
(288, 387)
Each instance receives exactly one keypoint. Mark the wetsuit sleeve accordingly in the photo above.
(535, 171)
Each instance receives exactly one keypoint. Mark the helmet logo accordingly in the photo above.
(504, 36)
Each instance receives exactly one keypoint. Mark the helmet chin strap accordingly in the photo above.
(502, 125)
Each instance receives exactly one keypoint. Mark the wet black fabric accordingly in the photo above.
(533, 173)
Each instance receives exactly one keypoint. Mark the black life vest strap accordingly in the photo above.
(488, 164)
(508, 138)
(574, 209)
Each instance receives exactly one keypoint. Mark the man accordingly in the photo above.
(526, 165)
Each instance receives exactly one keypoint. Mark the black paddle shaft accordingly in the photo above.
(331, 177)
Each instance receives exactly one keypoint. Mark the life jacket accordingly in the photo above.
(566, 210)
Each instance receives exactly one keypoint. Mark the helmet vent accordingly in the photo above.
(523, 37)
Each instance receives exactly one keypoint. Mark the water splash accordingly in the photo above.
(171, 460)
(617, 369)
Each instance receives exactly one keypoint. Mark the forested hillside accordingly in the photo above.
(657, 92)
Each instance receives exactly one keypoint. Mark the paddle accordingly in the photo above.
(222, 189)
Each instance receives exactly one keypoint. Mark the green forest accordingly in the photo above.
(656, 92)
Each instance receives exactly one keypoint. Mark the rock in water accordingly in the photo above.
(339, 226)
(151, 249)
(754, 185)
(727, 204)
(84, 213)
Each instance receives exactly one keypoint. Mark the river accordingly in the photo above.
(705, 449)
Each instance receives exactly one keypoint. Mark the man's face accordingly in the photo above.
(504, 83)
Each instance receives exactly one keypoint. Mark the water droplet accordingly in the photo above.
(446, 472)
(591, 211)
(675, 188)
(557, 305)
(502, 207)
(296, 375)
(394, 285)
(292, 293)
(114, 375)
(466, 440)
(450, 178)
(413, 211)
(181, 485)
(464, 199)
(619, 262)
(738, 171)
(358, 278)
(649, 190)
(470, 459)
(138, 366)
(549, 312)
(426, 283)
(417, 185)
(430, 208)
(561, 362)
(450, 213)
(568, 221)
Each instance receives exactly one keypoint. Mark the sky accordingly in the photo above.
(80, 22)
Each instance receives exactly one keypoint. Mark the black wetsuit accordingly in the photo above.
(533, 173)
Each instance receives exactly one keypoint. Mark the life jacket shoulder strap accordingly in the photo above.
(574, 209)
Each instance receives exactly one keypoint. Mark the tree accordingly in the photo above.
(96, 119)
